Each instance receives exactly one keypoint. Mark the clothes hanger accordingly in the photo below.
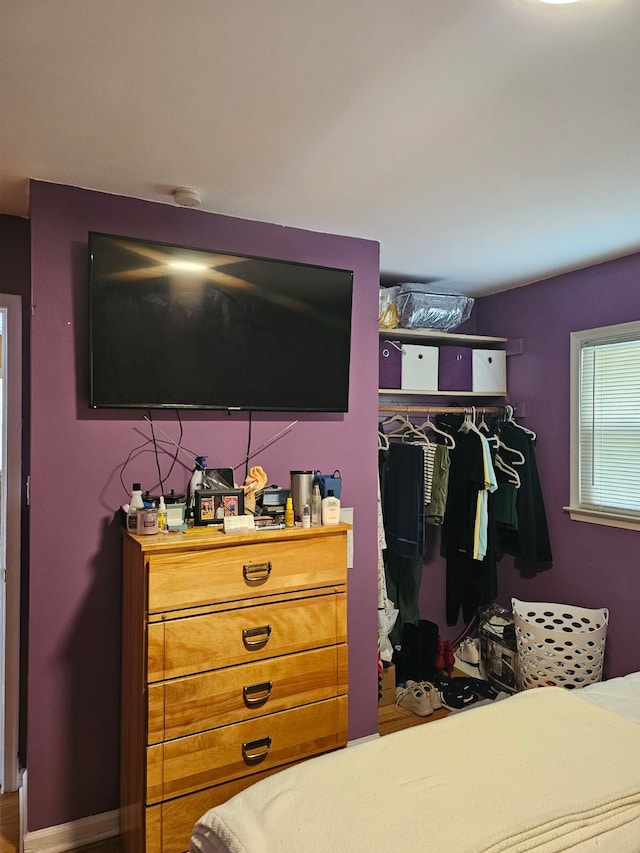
(397, 418)
(449, 439)
(415, 432)
(508, 470)
(510, 419)
(519, 457)
(383, 441)
(405, 424)
(469, 422)
(491, 437)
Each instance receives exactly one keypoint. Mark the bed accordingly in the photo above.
(545, 770)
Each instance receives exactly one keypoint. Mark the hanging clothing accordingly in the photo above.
(466, 479)
(403, 503)
(404, 577)
(505, 503)
(403, 508)
(429, 451)
(387, 612)
(469, 526)
(434, 513)
(482, 510)
(530, 540)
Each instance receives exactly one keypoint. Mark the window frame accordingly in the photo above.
(576, 511)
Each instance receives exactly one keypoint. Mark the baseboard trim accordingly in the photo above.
(364, 739)
(77, 833)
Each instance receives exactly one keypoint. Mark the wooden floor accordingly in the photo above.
(10, 830)
(392, 719)
(9, 823)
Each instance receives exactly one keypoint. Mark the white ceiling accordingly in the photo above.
(486, 143)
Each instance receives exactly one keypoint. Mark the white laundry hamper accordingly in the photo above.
(559, 644)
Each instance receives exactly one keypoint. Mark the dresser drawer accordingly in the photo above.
(201, 702)
(192, 579)
(196, 762)
(169, 824)
(178, 647)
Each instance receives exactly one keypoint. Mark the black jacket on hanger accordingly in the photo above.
(531, 540)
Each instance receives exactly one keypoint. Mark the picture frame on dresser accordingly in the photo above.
(212, 506)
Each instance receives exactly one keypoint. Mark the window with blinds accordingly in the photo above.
(605, 435)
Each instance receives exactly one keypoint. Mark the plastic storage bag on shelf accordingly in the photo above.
(424, 306)
(387, 308)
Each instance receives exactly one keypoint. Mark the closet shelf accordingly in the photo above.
(398, 392)
(436, 337)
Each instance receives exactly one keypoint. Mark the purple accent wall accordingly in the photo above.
(594, 565)
(77, 455)
(74, 575)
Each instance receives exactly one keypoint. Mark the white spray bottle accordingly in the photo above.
(196, 482)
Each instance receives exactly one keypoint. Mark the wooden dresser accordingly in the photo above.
(234, 665)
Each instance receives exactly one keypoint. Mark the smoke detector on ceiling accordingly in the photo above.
(187, 197)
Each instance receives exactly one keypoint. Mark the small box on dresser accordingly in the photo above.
(234, 666)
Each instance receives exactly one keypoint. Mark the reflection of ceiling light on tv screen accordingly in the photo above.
(187, 266)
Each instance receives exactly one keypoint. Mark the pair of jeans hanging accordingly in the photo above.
(403, 499)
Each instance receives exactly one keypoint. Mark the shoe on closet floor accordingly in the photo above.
(456, 693)
(412, 697)
(432, 692)
(468, 651)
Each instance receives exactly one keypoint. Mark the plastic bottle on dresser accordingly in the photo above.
(197, 480)
(330, 509)
(135, 504)
(288, 513)
(316, 506)
(162, 515)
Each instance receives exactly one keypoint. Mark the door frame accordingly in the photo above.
(12, 482)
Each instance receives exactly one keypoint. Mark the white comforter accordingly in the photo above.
(621, 695)
(541, 771)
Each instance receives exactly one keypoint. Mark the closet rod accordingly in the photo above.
(437, 410)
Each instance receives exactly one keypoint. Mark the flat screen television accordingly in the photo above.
(181, 328)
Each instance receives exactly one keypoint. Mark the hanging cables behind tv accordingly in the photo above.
(156, 442)
(126, 462)
(155, 451)
(246, 461)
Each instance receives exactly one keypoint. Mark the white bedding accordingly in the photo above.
(541, 771)
(620, 695)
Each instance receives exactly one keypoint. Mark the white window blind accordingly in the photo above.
(609, 425)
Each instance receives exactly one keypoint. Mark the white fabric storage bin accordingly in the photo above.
(559, 644)
(489, 371)
(419, 368)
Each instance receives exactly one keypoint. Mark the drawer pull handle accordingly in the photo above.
(263, 690)
(255, 750)
(256, 636)
(256, 572)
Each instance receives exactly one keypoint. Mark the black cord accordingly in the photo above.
(126, 462)
(155, 441)
(246, 462)
(155, 451)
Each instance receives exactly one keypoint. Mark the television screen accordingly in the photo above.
(174, 327)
